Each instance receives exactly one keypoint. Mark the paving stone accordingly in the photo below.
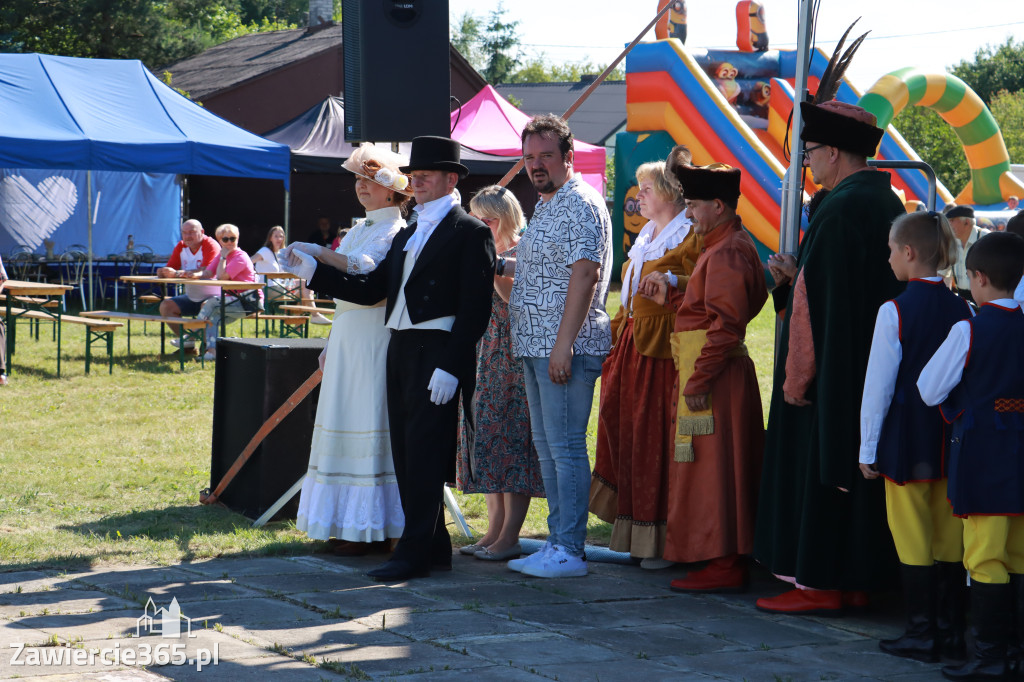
(234, 568)
(532, 649)
(262, 611)
(562, 616)
(87, 626)
(754, 633)
(28, 581)
(398, 659)
(597, 588)
(302, 582)
(447, 626)
(503, 673)
(489, 595)
(305, 636)
(627, 669)
(368, 602)
(120, 675)
(15, 604)
(655, 641)
(276, 668)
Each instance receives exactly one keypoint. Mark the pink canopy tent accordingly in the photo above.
(489, 123)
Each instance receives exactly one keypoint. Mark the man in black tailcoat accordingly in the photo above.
(437, 279)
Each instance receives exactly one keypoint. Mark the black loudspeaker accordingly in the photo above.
(254, 378)
(397, 69)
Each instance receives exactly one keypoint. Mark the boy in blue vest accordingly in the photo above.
(978, 377)
(902, 439)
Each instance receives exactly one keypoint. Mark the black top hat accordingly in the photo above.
(430, 152)
(717, 181)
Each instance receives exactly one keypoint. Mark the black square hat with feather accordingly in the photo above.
(837, 124)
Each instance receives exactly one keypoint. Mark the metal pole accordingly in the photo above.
(792, 187)
(928, 171)
(287, 211)
(88, 208)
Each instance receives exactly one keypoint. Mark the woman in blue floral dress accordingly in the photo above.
(496, 454)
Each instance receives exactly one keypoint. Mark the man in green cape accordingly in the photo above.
(820, 524)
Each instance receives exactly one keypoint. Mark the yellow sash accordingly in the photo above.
(686, 348)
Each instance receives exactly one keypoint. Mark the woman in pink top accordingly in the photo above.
(233, 263)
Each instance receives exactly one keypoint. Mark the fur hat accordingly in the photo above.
(837, 124)
(379, 165)
(717, 181)
(430, 152)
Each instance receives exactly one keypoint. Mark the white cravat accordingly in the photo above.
(646, 248)
(428, 216)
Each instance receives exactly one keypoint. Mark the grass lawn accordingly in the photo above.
(108, 468)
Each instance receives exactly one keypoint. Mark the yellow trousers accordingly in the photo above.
(993, 547)
(922, 523)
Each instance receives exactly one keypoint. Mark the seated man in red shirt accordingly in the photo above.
(193, 254)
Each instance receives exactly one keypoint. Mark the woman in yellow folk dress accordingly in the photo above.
(629, 488)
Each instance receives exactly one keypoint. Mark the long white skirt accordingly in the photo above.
(350, 491)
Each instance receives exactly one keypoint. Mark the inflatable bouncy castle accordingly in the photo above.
(734, 106)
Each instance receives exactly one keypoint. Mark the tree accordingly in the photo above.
(1008, 110)
(467, 38)
(994, 69)
(935, 142)
(500, 42)
(157, 32)
(539, 70)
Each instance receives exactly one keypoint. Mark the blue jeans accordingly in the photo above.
(558, 416)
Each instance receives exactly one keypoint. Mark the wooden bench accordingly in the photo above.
(307, 309)
(95, 331)
(189, 329)
(291, 325)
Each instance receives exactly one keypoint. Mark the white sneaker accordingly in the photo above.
(557, 564)
(518, 564)
(188, 343)
(317, 318)
(210, 355)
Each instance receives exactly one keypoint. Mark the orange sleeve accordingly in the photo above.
(800, 358)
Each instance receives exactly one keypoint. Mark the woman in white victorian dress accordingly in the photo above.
(350, 492)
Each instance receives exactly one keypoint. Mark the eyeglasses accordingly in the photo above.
(808, 150)
(228, 239)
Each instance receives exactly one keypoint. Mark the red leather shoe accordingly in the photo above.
(721, 575)
(804, 602)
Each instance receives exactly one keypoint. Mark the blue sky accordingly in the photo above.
(931, 35)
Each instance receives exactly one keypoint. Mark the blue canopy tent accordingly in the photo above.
(114, 115)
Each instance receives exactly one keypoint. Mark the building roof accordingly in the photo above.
(230, 64)
(596, 121)
(247, 57)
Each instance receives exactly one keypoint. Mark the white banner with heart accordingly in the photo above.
(31, 213)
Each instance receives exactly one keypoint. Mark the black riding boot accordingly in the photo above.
(1015, 649)
(991, 614)
(918, 642)
(951, 610)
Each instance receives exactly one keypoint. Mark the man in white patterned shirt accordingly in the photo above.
(561, 331)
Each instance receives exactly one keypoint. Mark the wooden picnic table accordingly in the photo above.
(31, 296)
(223, 284)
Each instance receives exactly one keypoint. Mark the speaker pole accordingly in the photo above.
(593, 86)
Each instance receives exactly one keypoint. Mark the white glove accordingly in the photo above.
(442, 386)
(299, 263)
(313, 250)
